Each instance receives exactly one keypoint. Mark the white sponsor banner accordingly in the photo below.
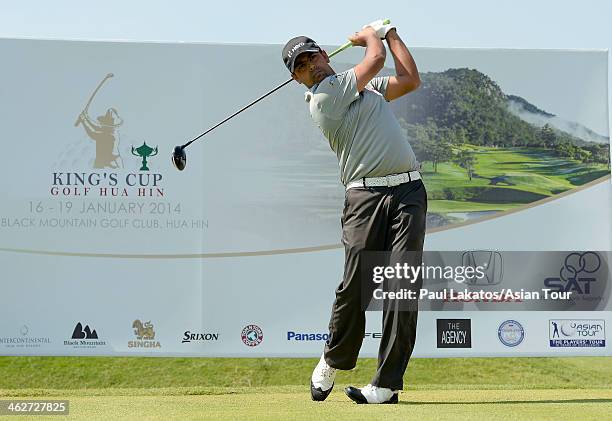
(106, 249)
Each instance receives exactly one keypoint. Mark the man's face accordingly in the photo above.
(311, 68)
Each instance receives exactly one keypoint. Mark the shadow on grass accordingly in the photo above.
(545, 401)
(585, 178)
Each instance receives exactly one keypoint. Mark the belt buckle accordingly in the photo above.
(388, 180)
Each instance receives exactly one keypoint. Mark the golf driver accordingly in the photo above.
(179, 158)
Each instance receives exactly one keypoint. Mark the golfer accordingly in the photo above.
(385, 201)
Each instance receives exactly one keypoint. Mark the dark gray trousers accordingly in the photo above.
(376, 219)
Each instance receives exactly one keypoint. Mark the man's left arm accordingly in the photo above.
(406, 77)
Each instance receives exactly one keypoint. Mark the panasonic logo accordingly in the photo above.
(294, 336)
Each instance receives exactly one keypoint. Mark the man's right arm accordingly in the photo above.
(334, 94)
(374, 59)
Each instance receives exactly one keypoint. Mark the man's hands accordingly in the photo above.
(406, 77)
(361, 38)
(380, 28)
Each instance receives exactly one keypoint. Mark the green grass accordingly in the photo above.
(291, 402)
(528, 169)
(447, 206)
(125, 372)
(197, 388)
(504, 179)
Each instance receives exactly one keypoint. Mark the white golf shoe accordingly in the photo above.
(322, 380)
(372, 394)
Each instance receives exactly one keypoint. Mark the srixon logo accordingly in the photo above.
(577, 274)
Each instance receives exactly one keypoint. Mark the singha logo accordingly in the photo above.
(143, 331)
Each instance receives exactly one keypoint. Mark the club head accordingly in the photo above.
(179, 158)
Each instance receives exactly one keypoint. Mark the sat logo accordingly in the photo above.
(585, 264)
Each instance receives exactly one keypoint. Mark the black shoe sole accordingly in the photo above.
(356, 396)
(319, 395)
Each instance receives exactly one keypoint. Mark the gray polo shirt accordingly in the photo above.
(360, 127)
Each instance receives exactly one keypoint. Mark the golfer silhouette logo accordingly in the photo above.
(103, 131)
(556, 330)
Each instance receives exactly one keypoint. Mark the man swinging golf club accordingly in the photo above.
(385, 202)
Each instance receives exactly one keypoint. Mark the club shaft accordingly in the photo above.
(237, 112)
(342, 48)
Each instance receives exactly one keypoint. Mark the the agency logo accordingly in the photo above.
(454, 333)
(491, 264)
(23, 339)
(189, 337)
(577, 275)
(110, 177)
(511, 333)
(577, 333)
(145, 335)
(84, 338)
(251, 335)
(144, 151)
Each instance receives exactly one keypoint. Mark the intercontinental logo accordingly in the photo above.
(145, 335)
(24, 339)
(108, 174)
(84, 338)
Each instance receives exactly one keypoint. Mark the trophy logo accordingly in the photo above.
(144, 151)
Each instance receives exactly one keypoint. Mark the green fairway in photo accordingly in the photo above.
(502, 179)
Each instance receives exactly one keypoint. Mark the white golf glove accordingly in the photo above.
(380, 28)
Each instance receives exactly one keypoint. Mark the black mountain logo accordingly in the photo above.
(79, 333)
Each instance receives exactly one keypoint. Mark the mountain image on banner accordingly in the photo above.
(533, 115)
(80, 333)
(484, 151)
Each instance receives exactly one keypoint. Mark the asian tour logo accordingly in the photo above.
(577, 333)
(110, 176)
